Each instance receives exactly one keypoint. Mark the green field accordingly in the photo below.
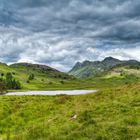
(106, 115)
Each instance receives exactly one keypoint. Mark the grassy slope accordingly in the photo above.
(43, 81)
(108, 114)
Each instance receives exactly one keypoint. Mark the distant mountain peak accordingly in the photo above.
(87, 62)
(133, 61)
(78, 64)
(110, 59)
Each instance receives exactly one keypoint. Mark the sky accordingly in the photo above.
(59, 33)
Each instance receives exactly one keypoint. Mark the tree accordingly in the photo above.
(31, 77)
(11, 83)
(2, 74)
(2, 87)
(9, 80)
(62, 82)
(18, 85)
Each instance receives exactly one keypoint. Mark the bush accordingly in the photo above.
(50, 83)
(2, 74)
(27, 81)
(31, 77)
(16, 84)
(62, 82)
(11, 83)
(2, 87)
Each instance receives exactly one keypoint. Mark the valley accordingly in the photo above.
(80, 77)
(111, 112)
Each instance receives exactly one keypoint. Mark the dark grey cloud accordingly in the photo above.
(61, 32)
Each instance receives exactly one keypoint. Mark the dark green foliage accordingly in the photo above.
(2, 74)
(50, 83)
(31, 77)
(13, 73)
(2, 87)
(11, 83)
(62, 82)
(16, 84)
(9, 80)
(28, 81)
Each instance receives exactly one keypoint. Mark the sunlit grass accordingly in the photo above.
(110, 113)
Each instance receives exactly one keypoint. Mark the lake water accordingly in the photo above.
(56, 92)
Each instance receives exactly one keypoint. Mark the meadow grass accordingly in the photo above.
(110, 114)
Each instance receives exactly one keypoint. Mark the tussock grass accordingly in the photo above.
(109, 114)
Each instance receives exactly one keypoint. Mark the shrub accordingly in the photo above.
(62, 82)
(11, 83)
(2, 87)
(28, 81)
(31, 77)
(2, 74)
(50, 83)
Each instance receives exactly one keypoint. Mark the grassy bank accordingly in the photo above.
(106, 115)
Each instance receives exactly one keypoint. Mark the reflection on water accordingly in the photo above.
(56, 92)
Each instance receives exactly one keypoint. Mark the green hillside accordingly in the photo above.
(96, 68)
(44, 77)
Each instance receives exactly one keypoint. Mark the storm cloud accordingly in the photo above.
(59, 33)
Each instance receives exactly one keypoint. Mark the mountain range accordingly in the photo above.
(88, 69)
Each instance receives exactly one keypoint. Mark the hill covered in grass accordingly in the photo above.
(88, 69)
(44, 77)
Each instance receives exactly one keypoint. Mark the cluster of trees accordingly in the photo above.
(11, 83)
(8, 82)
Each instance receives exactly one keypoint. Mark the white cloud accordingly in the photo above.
(61, 33)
